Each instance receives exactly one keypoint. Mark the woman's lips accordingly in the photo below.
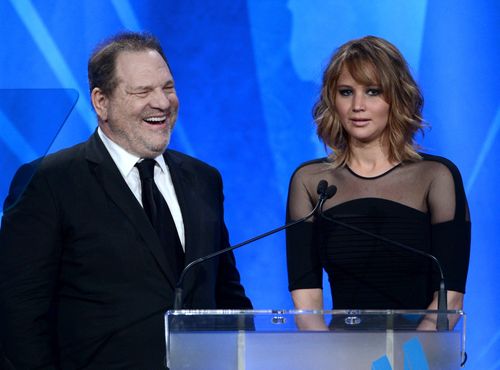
(359, 121)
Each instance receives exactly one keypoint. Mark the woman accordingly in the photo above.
(368, 113)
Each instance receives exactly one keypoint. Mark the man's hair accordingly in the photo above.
(102, 62)
(372, 61)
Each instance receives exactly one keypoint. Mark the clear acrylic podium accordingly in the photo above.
(350, 339)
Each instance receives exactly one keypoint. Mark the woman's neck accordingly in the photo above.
(369, 160)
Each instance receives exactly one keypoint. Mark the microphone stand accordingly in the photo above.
(322, 185)
(442, 323)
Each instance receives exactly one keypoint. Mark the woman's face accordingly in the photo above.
(362, 109)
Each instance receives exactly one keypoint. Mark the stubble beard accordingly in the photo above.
(153, 149)
(145, 145)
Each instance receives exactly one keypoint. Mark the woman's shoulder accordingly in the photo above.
(442, 172)
(308, 174)
(439, 164)
(431, 158)
(311, 167)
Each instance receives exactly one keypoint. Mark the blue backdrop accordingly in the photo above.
(247, 75)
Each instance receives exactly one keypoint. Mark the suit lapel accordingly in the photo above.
(184, 190)
(108, 175)
(193, 208)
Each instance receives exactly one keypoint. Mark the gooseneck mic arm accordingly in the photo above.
(442, 320)
(323, 195)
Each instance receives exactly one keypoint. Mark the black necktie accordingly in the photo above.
(159, 214)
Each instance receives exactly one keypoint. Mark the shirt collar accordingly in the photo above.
(124, 160)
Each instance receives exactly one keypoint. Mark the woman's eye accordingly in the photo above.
(374, 92)
(345, 92)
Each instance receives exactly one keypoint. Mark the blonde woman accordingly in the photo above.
(368, 113)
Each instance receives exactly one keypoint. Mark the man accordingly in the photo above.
(85, 274)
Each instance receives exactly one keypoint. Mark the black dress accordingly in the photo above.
(420, 204)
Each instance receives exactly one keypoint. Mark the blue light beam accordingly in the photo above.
(42, 38)
(488, 144)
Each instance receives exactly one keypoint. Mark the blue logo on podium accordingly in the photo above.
(414, 358)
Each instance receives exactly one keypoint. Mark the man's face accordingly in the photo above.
(140, 113)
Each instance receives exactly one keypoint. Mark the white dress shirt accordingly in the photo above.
(126, 165)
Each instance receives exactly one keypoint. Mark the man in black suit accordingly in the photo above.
(85, 278)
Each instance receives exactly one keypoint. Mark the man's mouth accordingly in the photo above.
(157, 120)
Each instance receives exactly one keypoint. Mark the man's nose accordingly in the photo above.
(160, 99)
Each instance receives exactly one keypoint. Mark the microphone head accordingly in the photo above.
(322, 187)
(330, 191)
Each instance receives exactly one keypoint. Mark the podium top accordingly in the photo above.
(305, 320)
(302, 312)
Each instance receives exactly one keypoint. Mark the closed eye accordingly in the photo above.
(141, 93)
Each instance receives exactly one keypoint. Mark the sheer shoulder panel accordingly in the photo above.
(302, 192)
(451, 227)
(447, 200)
(441, 198)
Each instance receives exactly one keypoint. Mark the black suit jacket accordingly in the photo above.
(84, 281)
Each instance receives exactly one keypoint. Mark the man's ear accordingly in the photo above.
(100, 103)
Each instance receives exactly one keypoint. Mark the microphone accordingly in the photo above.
(324, 194)
(442, 320)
